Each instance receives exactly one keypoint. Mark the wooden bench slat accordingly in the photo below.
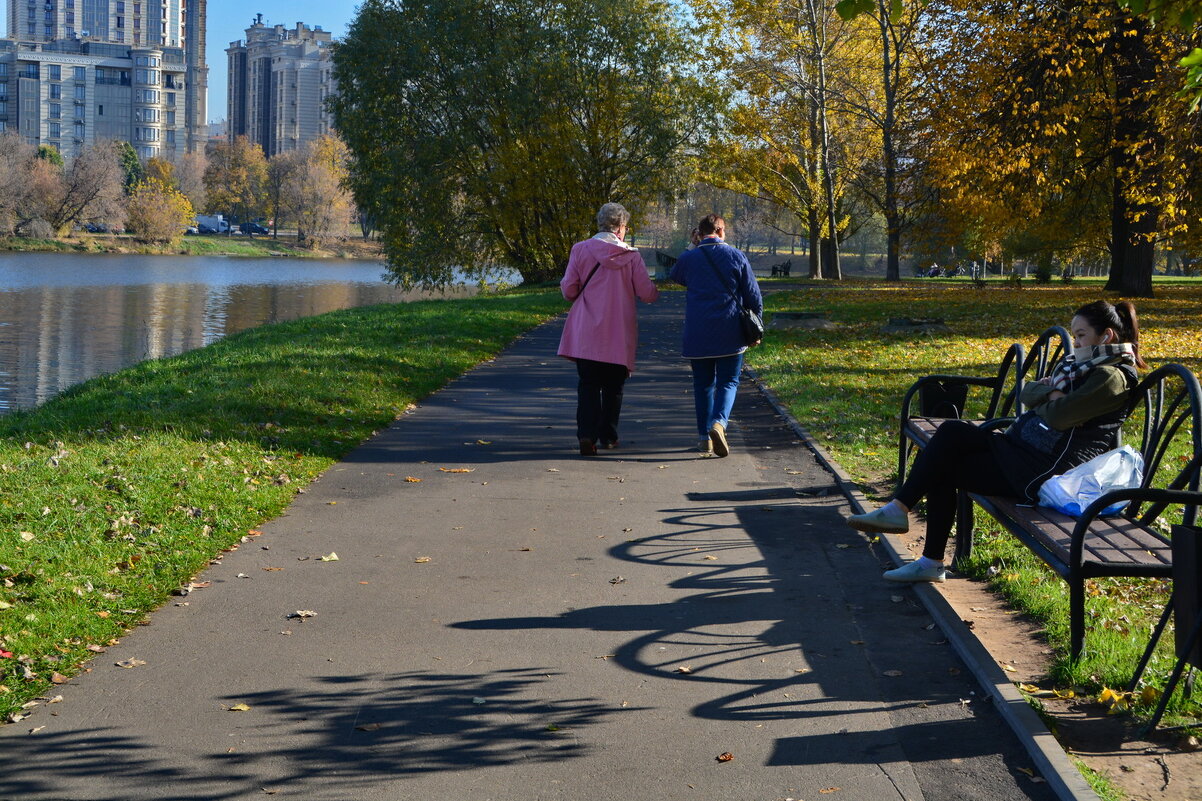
(1110, 540)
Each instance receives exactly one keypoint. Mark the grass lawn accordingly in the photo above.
(845, 386)
(121, 489)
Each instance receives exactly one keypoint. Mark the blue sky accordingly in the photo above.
(228, 20)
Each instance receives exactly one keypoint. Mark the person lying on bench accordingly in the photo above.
(1074, 414)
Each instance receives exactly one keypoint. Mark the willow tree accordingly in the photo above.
(486, 133)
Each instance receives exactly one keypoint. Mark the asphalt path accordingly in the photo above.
(545, 626)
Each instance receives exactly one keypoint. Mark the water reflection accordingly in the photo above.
(64, 319)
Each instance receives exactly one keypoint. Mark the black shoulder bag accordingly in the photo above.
(751, 323)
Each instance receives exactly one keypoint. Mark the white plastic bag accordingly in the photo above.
(1073, 491)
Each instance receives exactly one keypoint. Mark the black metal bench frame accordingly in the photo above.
(1017, 367)
(1168, 402)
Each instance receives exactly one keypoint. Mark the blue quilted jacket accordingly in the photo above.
(711, 320)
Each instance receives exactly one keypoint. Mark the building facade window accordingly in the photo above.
(81, 93)
(3, 70)
(56, 130)
(80, 73)
(56, 91)
(3, 106)
(79, 130)
(55, 72)
(56, 111)
(79, 112)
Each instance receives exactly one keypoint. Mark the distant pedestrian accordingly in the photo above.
(720, 282)
(603, 278)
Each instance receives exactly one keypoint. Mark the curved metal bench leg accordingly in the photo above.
(903, 453)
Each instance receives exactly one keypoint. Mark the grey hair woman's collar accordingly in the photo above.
(611, 238)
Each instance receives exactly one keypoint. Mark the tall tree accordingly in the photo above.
(235, 179)
(792, 136)
(488, 133)
(16, 179)
(1061, 125)
(89, 188)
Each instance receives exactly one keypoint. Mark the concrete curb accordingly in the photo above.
(1051, 762)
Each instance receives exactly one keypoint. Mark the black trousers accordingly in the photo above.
(958, 457)
(599, 399)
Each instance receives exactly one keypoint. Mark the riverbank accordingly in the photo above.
(259, 246)
(117, 492)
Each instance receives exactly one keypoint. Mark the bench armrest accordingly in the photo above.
(969, 380)
(1159, 498)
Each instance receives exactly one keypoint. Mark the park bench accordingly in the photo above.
(941, 397)
(783, 268)
(1165, 424)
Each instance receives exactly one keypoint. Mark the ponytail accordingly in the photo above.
(1125, 310)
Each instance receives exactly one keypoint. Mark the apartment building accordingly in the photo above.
(75, 72)
(279, 79)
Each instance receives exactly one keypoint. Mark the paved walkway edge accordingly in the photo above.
(1051, 762)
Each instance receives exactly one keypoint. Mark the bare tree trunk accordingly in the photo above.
(889, 149)
(818, 39)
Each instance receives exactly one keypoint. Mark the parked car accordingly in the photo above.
(204, 228)
(253, 228)
(192, 229)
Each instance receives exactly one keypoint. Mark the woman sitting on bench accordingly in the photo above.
(1073, 415)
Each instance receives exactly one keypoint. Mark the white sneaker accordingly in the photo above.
(914, 572)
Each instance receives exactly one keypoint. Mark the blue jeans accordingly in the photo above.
(715, 382)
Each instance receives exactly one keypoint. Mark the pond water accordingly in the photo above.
(65, 318)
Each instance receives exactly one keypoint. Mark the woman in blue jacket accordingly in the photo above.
(719, 282)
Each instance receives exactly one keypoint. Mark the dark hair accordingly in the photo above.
(1120, 316)
(710, 224)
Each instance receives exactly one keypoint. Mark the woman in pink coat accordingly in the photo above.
(603, 278)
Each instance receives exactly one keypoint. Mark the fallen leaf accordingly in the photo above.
(552, 727)
(58, 678)
(856, 642)
(330, 557)
(684, 669)
(617, 580)
(1009, 668)
(1028, 771)
(479, 700)
(130, 663)
(484, 442)
(457, 469)
(710, 558)
(552, 469)
(897, 599)
(241, 575)
(58, 699)
(725, 757)
(26, 536)
(302, 614)
(5, 654)
(5, 605)
(842, 546)
(36, 729)
(421, 560)
(830, 790)
(892, 673)
(331, 503)
(239, 708)
(413, 479)
(273, 568)
(368, 727)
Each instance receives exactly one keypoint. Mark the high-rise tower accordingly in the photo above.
(156, 99)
